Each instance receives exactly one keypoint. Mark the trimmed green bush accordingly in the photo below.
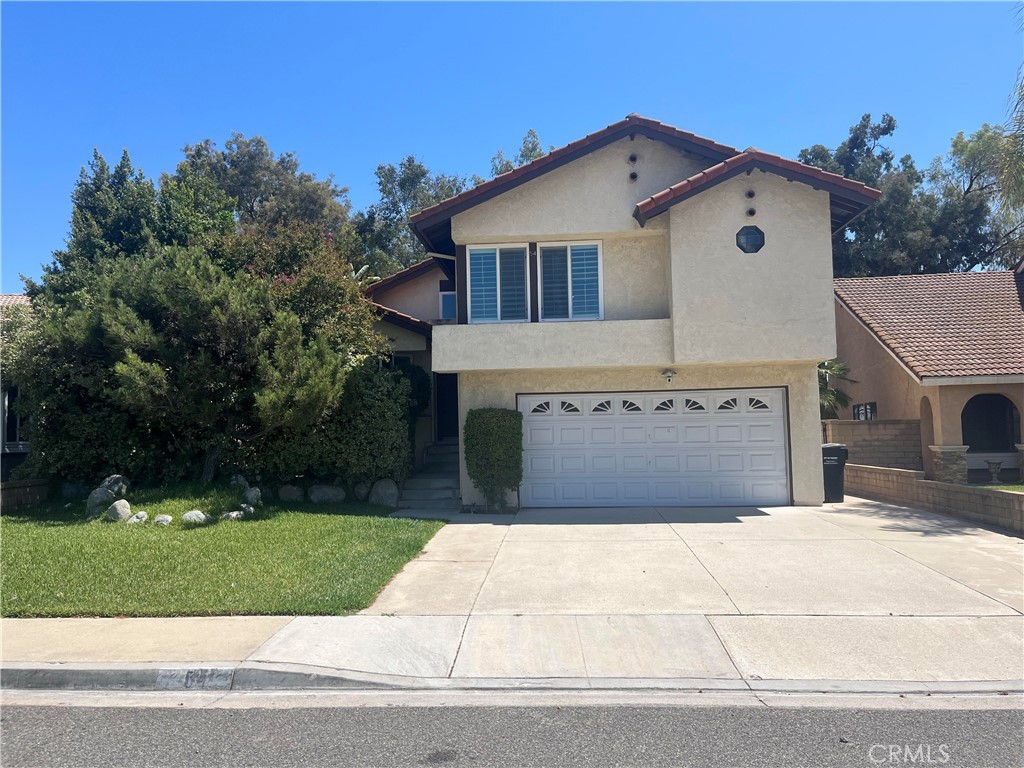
(493, 439)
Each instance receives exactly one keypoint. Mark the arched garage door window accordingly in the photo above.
(991, 424)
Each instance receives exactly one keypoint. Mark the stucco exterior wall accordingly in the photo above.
(772, 305)
(417, 297)
(636, 277)
(402, 340)
(878, 377)
(499, 389)
(589, 196)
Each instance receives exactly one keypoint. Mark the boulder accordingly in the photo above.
(266, 493)
(195, 517)
(162, 520)
(362, 490)
(117, 485)
(138, 517)
(74, 490)
(247, 510)
(237, 481)
(384, 493)
(290, 493)
(118, 511)
(98, 501)
(252, 497)
(235, 515)
(326, 494)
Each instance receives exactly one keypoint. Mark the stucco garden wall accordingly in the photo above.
(775, 304)
(499, 389)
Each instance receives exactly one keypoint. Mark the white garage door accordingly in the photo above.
(701, 448)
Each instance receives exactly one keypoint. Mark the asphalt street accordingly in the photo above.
(708, 736)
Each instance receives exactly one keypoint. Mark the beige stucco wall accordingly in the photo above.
(878, 377)
(417, 297)
(589, 196)
(636, 277)
(402, 339)
(772, 305)
(590, 344)
(499, 389)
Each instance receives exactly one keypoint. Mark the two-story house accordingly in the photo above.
(655, 305)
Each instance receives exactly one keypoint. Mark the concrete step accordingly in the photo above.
(452, 504)
(424, 482)
(432, 467)
(429, 493)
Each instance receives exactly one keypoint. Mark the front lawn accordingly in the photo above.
(314, 559)
(1015, 488)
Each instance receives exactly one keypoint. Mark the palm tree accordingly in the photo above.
(832, 398)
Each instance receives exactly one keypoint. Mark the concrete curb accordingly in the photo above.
(257, 676)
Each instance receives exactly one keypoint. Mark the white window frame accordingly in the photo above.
(600, 280)
(469, 279)
(454, 295)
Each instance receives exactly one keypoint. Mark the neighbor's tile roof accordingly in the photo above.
(403, 320)
(13, 300)
(959, 324)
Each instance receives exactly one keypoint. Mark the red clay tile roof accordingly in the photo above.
(853, 196)
(423, 223)
(958, 324)
(409, 273)
(13, 300)
(403, 320)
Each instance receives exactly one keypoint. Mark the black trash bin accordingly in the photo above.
(833, 459)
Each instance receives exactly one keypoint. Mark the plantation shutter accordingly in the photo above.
(585, 300)
(513, 284)
(555, 275)
(483, 284)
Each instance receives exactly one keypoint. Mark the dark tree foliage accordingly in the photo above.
(951, 218)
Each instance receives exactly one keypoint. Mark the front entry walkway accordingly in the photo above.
(861, 591)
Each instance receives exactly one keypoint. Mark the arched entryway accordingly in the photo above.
(991, 430)
(927, 438)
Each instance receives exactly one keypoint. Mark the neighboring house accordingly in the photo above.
(655, 304)
(14, 444)
(947, 349)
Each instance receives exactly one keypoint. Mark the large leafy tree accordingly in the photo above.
(952, 217)
(386, 242)
(528, 151)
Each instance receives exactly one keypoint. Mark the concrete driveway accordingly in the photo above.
(857, 591)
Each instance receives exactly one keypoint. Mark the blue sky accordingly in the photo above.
(348, 86)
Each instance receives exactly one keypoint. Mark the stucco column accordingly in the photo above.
(950, 463)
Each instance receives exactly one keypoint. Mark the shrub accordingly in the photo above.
(493, 439)
(364, 439)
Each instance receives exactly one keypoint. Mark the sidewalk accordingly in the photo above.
(861, 597)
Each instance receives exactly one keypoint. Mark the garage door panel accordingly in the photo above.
(688, 448)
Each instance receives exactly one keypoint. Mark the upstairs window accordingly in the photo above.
(570, 277)
(448, 308)
(498, 284)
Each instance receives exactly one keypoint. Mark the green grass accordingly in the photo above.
(1017, 488)
(324, 559)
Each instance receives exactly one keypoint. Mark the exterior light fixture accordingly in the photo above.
(667, 374)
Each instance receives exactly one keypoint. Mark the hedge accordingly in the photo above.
(493, 440)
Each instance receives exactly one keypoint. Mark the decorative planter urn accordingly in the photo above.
(993, 469)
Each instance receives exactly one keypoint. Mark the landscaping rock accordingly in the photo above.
(384, 493)
(362, 490)
(247, 510)
(98, 501)
(237, 481)
(162, 520)
(266, 493)
(253, 497)
(74, 490)
(290, 493)
(138, 517)
(236, 515)
(117, 485)
(118, 511)
(195, 517)
(326, 494)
